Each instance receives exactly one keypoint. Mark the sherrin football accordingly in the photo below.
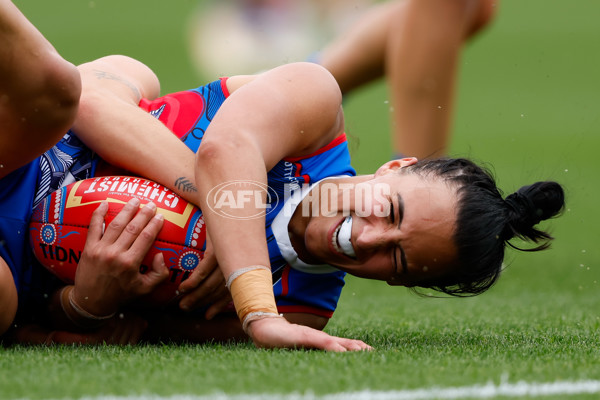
(59, 226)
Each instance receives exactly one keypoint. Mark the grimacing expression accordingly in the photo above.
(403, 235)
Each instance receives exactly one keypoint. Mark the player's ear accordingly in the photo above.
(394, 165)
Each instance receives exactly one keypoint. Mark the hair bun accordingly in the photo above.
(531, 205)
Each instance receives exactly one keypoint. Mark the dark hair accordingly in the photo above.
(486, 222)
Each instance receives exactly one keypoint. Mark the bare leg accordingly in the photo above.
(422, 66)
(417, 44)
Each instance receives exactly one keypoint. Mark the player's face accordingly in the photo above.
(402, 234)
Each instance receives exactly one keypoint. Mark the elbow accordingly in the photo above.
(209, 155)
(57, 99)
(66, 89)
(231, 156)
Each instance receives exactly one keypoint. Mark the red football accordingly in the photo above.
(59, 226)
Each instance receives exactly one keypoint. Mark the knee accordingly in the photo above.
(472, 15)
(485, 12)
(58, 99)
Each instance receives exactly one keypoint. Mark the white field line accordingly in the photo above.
(486, 391)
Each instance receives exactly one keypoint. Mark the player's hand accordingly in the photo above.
(206, 285)
(279, 333)
(108, 273)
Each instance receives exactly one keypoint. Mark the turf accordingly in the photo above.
(528, 105)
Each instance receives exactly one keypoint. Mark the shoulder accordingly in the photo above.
(295, 108)
(312, 97)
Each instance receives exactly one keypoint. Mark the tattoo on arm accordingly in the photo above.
(185, 185)
(114, 77)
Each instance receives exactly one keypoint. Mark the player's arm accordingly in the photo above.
(290, 110)
(39, 91)
(111, 123)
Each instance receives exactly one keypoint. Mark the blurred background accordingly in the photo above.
(528, 101)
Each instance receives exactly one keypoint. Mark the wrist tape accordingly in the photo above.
(252, 292)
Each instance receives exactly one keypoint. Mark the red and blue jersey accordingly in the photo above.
(298, 287)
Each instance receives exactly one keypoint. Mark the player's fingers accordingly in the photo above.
(207, 291)
(206, 266)
(319, 339)
(194, 299)
(193, 281)
(121, 220)
(353, 344)
(142, 229)
(144, 238)
(97, 223)
(334, 346)
(204, 269)
(157, 274)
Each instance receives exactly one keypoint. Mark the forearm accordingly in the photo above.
(260, 124)
(275, 116)
(231, 176)
(111, 123)
(127, 137)
(236, 226)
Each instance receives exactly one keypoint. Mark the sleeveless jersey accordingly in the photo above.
(298, 287)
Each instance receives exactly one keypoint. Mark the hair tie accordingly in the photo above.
(523, 215)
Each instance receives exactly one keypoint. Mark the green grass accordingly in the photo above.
(528, 104)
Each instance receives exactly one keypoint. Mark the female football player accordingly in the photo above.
(439, 224)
